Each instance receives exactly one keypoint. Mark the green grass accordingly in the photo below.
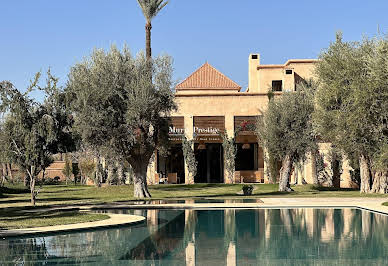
(385, 203)
(16, 219)
(72, 195)
(16, 198)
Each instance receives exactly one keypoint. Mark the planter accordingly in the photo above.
(247, 190)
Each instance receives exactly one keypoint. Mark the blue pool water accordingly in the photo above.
(217, 237)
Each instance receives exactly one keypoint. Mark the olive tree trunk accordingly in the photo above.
(140, 180)
(380, 182)
(32, 176)
(33, 192)
(365, 175)
(285, 173)
(335, 166)
(120, 173)
(9, 169)
(110, 173)
(314, 168)
(4, 174)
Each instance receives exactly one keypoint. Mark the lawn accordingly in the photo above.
(16, 198)
(16, 219)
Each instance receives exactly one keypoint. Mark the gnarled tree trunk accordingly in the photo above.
(140, 180)
(110, 173)
(365, 175)
(314, 168)
(335, 166)
(9, 169)
(285, 172)
(380, 182)
(120, 173)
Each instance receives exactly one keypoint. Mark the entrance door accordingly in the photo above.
(210, 160)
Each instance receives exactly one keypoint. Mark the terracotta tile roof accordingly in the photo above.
(207, 77)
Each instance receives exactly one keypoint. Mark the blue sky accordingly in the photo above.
(37, 34)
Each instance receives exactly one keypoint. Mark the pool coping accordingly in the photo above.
(113, 220)
(126, 219)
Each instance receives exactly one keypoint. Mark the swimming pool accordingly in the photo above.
(217, 237)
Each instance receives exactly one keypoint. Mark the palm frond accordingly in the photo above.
(151, 8)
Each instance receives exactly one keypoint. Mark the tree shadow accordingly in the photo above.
(7, 190)
(42, 200)
(183, 187)
(320, 188)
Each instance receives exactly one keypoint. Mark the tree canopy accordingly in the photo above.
(286, 130)
(32, 131)
(352, 101)
(117, 107)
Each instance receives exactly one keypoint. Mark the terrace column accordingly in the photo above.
(229, 130)
(266, 167)
(189, 131)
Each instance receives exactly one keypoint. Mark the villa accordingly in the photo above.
(209, 103)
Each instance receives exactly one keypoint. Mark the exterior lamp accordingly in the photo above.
(202, 146)
(246, 146)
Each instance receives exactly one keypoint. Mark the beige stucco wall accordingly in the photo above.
(261, 76)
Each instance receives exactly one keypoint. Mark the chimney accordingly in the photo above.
(253, 79)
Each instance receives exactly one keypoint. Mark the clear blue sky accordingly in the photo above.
(36, 34)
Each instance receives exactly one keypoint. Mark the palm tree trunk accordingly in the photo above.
(148, 28)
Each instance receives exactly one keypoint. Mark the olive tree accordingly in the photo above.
(286, 131)
(352, 102)
(118, 107)
(33, 131)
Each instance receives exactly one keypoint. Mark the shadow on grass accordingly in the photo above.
(17, 216)
(63, 191)
(42, 200)
(319, 188)
(6, 190)
(183, 187)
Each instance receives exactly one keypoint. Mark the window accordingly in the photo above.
(288, 71)
(254, 56)
(277, 85)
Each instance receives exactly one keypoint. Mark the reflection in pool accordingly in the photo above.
(191, 201)
(217, 237)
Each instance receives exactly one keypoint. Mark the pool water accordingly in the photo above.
(217, 237)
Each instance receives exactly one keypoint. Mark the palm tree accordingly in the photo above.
(150, 9)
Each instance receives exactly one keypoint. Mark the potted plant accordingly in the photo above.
(247, 190)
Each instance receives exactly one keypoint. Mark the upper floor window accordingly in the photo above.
(288, 71)
(277, 85)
